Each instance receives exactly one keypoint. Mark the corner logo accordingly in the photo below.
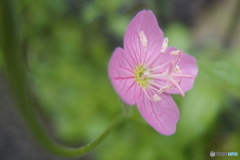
(212, 153)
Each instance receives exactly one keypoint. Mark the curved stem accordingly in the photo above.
(18, 81)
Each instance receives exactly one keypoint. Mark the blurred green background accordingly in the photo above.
(66, 46)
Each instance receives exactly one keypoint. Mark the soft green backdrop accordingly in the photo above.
(67, 45)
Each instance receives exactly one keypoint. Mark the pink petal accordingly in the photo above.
(122, 77)
(163, 60)
(162, 115)
(144, 25)
(188, 66)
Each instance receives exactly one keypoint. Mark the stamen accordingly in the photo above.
(156, 98)
(177, 58)
(143, 39)
(170, 69)
(157, 76)
(173, 66)
(163, 89)
(183, 76)
(174, 52)
(177, 86)
(154, 88)
(162, 65)
(177, 69)
(144, 90)
(164, 45)
(155, 84)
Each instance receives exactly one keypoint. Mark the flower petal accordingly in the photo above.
(161, 115)
(143, 38)
(188, 66)
(122, 77)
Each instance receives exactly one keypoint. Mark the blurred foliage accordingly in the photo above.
(67, 45)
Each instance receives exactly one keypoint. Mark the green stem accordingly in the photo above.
(17, 78)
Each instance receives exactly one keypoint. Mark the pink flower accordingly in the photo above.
(147, 71)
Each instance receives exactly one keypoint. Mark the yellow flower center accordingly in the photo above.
(141, 76)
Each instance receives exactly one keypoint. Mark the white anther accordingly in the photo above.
(156, 98)
(143, 39)
(164, 45)
(175, 53)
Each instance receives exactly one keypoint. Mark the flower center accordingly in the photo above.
(141, 76)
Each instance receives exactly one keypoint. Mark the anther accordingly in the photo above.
(156, 98)
(175, 53)
(164, 45)
(143, 39)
